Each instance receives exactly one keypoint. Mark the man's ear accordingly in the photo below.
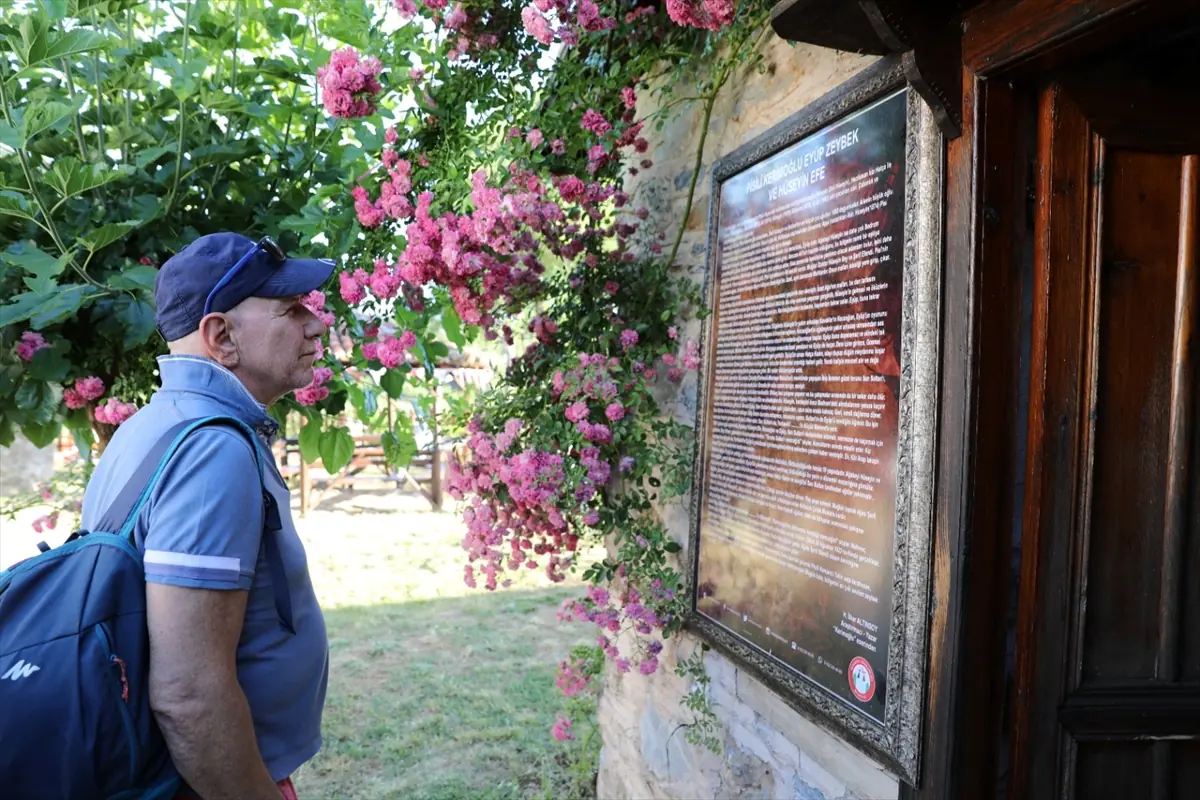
(216, 332)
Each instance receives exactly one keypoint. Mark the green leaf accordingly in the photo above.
(54, 9)
(310, 441)
(337, 448)
(49, 365)
(22, 308)
(40, 399)
(80, 426)
(41, 117)
(62, 304)
(672, 547)
(152, 154)
(452, 324)
(7, 434)
(393, 383)
(107, 234)
(438, 350)
(80, 40)
(136, 317)
(133, 278)
(41, 434)
(69, 177)
(13, 204)
(42, 266)
(11, 136)
(399, 447)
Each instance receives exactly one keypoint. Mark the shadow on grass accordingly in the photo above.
(449, 699)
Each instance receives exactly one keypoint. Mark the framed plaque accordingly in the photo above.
(811, 519)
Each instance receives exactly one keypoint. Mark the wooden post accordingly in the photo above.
(305, 486)
(435, 462)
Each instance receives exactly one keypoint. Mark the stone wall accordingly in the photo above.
(768, 750)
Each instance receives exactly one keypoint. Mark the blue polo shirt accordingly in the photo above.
(202, 527)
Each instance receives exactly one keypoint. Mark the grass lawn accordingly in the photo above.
(436, 691)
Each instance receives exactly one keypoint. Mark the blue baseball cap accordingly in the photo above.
(220, 270)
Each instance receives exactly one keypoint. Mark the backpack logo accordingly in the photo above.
(19, 670)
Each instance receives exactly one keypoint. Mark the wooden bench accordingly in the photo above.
(368, 453)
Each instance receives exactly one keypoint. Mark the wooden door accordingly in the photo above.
(1107, 682)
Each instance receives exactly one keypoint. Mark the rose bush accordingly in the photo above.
(466, 163)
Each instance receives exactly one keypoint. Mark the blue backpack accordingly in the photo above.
(75, 715)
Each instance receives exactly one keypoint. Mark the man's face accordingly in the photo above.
(276, 347)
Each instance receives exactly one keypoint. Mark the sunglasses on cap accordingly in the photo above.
(267, 245)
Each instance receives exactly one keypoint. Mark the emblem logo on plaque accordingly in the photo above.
(862, 679)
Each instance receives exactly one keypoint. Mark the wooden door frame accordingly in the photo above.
(1003, 40)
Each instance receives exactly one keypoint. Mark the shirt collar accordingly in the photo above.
(206, 377)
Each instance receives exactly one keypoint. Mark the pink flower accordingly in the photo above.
(672, 332)
(114, 412)
(349, 86)
(535, 138)
(691, 356)
(311, 395)
(351, 289)
(392, 351)
(615, 412)
(571, 188)
(629, 338)
(536, 25)
(675, 375)
(628, 97)
(595, 122)
(612, 287)
(407, 8)
(456, 18)
(30, 343)
(315, 302)
(591, 518)
(649, 666)
(577, 411)
(562, 730)
(558, 147)
(83, 392)
(707, 14)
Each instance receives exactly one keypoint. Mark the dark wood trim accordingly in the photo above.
(1010, 36)
(952, 494)
(1060, 381)
(1003, 33)
(1179, 445)
(1133, 712)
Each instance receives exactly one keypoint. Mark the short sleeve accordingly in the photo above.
(204, 521)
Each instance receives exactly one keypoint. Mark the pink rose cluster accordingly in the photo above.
(83, 392)
(631, 136)
(708, 14)
(349, 86)
(114, 412)
(458, 20)
(519, 506)
(393, 201)
(574, 17)
(30, 343)
(589, 382)
(316, 391)
(315, 302)
(391, 351)
(562, 730)
(614, 612)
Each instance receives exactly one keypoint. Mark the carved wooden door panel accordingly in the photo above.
(1107, 684)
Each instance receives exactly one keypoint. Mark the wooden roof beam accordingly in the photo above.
(927, 34)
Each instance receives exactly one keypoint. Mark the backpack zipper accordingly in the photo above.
(126, 716)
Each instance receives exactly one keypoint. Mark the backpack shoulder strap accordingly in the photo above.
(121, 515)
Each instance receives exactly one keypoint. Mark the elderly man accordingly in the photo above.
(237, 692)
